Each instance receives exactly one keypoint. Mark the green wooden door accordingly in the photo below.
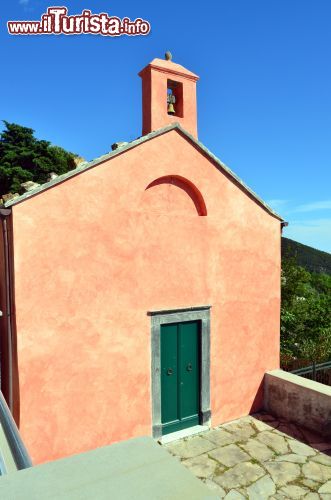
(180, 376)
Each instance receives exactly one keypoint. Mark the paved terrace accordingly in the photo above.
(259, 457)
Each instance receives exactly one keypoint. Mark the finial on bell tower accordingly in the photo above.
(168, 56)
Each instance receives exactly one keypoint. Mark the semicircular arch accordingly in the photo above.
(184, 185)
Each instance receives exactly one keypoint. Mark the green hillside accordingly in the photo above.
(311, 259)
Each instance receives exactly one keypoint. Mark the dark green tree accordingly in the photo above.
(25, 158)
(305, 313)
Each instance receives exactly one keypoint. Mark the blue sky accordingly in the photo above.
(264, 95)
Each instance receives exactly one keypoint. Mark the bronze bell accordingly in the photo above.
(171, 100)
(171, 109)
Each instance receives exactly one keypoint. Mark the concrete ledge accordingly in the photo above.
(298, 400)
(138, 469)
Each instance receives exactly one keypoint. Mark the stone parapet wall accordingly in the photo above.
(299, 400)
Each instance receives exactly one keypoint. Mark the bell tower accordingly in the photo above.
(168, 96)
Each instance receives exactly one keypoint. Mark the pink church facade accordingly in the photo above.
(169, 236)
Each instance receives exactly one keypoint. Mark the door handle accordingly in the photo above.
(189, 367)
(170, 371)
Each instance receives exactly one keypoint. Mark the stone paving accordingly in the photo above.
(259, 457)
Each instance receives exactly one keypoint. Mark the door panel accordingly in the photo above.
(180, 376)
(169, 361)
(189, 369)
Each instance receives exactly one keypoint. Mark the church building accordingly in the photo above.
(141, 291)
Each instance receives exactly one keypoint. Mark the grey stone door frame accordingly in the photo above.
(158, 318)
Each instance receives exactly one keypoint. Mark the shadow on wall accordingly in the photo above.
(258, 403)
(8, 343)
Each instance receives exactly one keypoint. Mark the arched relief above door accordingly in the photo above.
(174, 194)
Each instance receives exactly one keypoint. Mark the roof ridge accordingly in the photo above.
(136, 142)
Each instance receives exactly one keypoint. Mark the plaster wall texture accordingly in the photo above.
(299, 400)
(96, 252)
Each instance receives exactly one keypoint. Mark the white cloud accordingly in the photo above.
(277, 204)
(317, 205)
(315, 233)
